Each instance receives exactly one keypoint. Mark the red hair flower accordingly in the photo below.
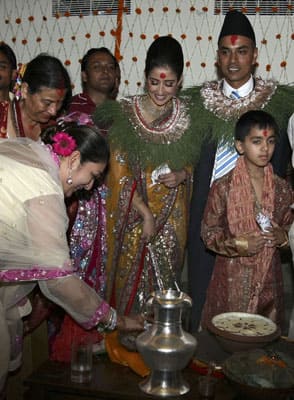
(63, 144)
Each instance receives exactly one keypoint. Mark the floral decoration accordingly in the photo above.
(63, 144)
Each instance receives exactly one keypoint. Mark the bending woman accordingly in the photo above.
(33, 249)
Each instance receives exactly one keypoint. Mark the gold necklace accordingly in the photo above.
(155, 112)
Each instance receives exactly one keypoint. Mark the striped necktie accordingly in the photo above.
(234, 94)
(226, 154)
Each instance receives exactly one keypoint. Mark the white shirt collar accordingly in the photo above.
(243, 91)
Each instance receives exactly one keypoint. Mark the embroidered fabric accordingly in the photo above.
(226, 108)
(164, 130)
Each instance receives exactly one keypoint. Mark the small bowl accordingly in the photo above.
(237, 331)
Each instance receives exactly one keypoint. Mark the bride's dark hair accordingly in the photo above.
(165, 51)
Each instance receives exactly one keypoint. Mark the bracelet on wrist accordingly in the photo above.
(110, 325)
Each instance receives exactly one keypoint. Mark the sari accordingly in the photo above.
(139, 150)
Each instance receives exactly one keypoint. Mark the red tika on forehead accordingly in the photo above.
(234, 39)
(265, 133)
(60, 92)
(162, 75)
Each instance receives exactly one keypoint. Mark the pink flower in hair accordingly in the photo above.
(63, 144)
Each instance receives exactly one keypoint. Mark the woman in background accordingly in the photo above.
(43, 91)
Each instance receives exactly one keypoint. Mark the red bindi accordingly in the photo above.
(162, 75)
(234, 39)
(60, 92)
(265, 133)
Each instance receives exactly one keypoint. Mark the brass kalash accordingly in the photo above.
(165, 347)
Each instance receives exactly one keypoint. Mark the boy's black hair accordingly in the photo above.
(254, 119)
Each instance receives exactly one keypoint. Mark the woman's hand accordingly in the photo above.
(173, 179)
(130, 323)
(149, 230)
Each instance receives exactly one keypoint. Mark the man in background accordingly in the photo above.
(8, 70)
(100, 75)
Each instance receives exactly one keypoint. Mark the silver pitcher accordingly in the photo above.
(165, 346)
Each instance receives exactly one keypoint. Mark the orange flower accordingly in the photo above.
(283, 64)
(138, 11)
(156, 36)
(217, 11)
(244, 10)
(268, 67)
(73, 38)
(278, 36)
(205, 9)
(192, 9)
(18, 21)
(67, 62)
(292, 36)
(67, 13)
(135, 59)
(183, 36)
(257, 9)
(198, 38)
(264, 41)
(113, 32)
(102, 33)
(38, 39)
(31, 18)
(60, 40)
(165, 9)
(126, 82)
(178, 10)
(131, 34)
(57, 15)
(188, 64)
(289, 6)
(203, 65)
(150, 9)
(143, 36)
(274, 9)
(24, 41)
(88, 35)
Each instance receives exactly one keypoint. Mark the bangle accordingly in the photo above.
(286, 241)
(110, 325)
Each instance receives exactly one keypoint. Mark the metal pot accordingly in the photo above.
(165, 346)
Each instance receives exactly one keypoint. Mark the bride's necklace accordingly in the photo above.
(155, 112)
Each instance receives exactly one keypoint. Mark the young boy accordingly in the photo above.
(247, 274)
